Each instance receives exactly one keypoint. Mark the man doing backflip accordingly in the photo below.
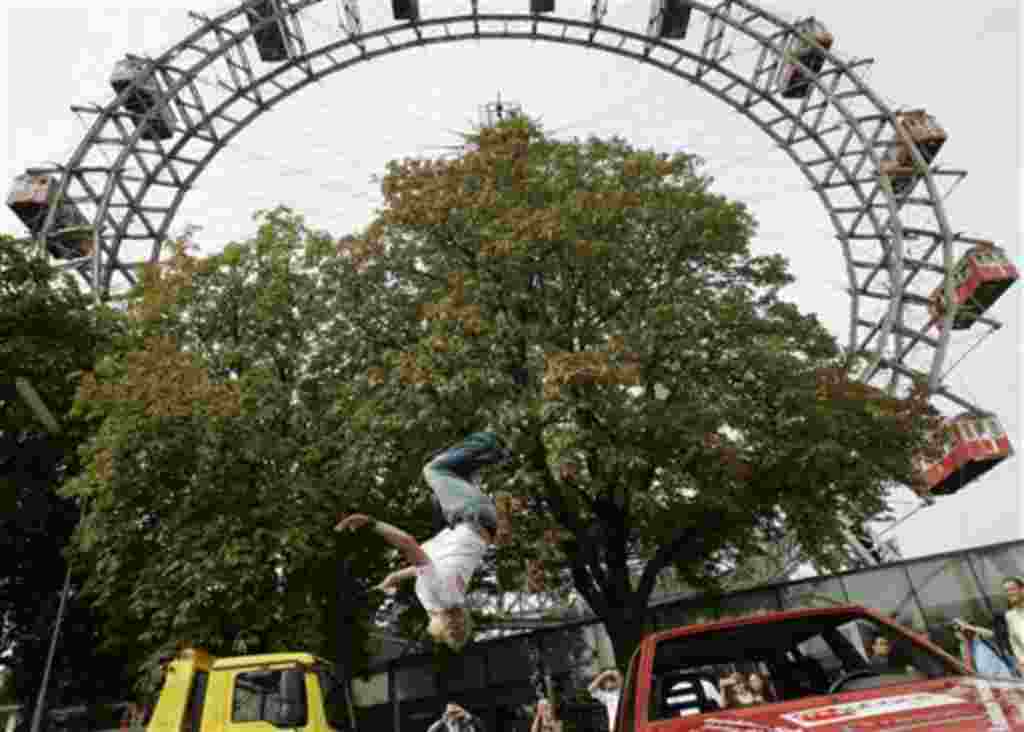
(444, 565)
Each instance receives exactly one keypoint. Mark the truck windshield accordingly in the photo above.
(791, 658)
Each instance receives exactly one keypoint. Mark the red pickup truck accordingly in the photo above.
(815, 672)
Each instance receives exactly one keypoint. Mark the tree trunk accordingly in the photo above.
(625, 628)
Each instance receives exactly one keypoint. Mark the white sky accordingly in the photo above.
(318, 149)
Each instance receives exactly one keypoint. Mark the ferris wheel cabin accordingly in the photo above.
(669, 18)
(272, 40)
(144, 96)
(912, 128)
(805, 47)
(31, 197)
(983, 273)
(971, 446)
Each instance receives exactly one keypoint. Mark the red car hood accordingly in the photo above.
(965, 703)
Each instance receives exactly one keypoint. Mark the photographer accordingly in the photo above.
(456, 719)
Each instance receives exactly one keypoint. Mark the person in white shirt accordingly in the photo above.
(606, 688)
(444, 565)
(1007, 634)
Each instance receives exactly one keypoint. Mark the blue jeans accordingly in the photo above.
(461, 500)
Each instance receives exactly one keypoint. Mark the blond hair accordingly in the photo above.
(453, 627)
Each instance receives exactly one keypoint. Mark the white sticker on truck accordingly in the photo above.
(868, 708)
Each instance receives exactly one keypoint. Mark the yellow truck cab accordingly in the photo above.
(264, 693)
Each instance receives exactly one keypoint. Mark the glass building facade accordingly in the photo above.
(498, 680)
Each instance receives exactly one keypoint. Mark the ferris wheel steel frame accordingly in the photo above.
(836, 135)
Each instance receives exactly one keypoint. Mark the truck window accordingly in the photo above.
(257, 697)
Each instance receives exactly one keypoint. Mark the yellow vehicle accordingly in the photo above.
(276, 691)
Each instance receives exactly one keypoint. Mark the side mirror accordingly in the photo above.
(292, 690)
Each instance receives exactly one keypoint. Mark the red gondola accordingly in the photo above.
(983, 273)
(807, 46)
(918, 128)
(971, 445)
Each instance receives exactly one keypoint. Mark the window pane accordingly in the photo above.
(335, 700)
(257, 697)
(887, 591)
(467, 673)
(415, 682)
(567, 651)
(947, 590)
(994, 565)
(509, 661)
(813, 593)
(744, 603)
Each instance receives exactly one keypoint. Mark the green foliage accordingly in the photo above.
(596, 303)
(212, 482)
(49, 333)
(657, 350)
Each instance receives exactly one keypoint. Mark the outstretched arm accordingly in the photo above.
(391, 582)
(393, 535)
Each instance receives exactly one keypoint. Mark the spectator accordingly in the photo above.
(606, 688)
(881, 650)
(978, 650)
(546, 720)
(761, 688)
(456, 719)
(1006, 639)
(736, 693)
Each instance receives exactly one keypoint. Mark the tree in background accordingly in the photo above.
(49, 332)
(601, 306)
(595, 303)
(210, 494)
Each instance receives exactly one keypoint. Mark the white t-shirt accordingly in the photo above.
(610, 699)
(1015, 625)
(454, 556)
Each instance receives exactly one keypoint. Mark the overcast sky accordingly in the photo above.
(318, 150)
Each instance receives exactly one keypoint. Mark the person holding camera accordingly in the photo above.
(999, 651)
(456, 719)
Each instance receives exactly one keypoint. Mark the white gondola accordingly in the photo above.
(30, 198)
(272, 40)
(143, 97)
(669, 18)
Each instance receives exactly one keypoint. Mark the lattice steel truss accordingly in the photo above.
(130, 188)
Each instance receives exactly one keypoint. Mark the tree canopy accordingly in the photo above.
(597, 304)
(49, 333)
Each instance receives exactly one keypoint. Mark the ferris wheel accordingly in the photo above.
(917, 286)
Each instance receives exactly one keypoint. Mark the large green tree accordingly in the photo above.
(49, 333)
(597, 304)
(210, 494)
(601, 306)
